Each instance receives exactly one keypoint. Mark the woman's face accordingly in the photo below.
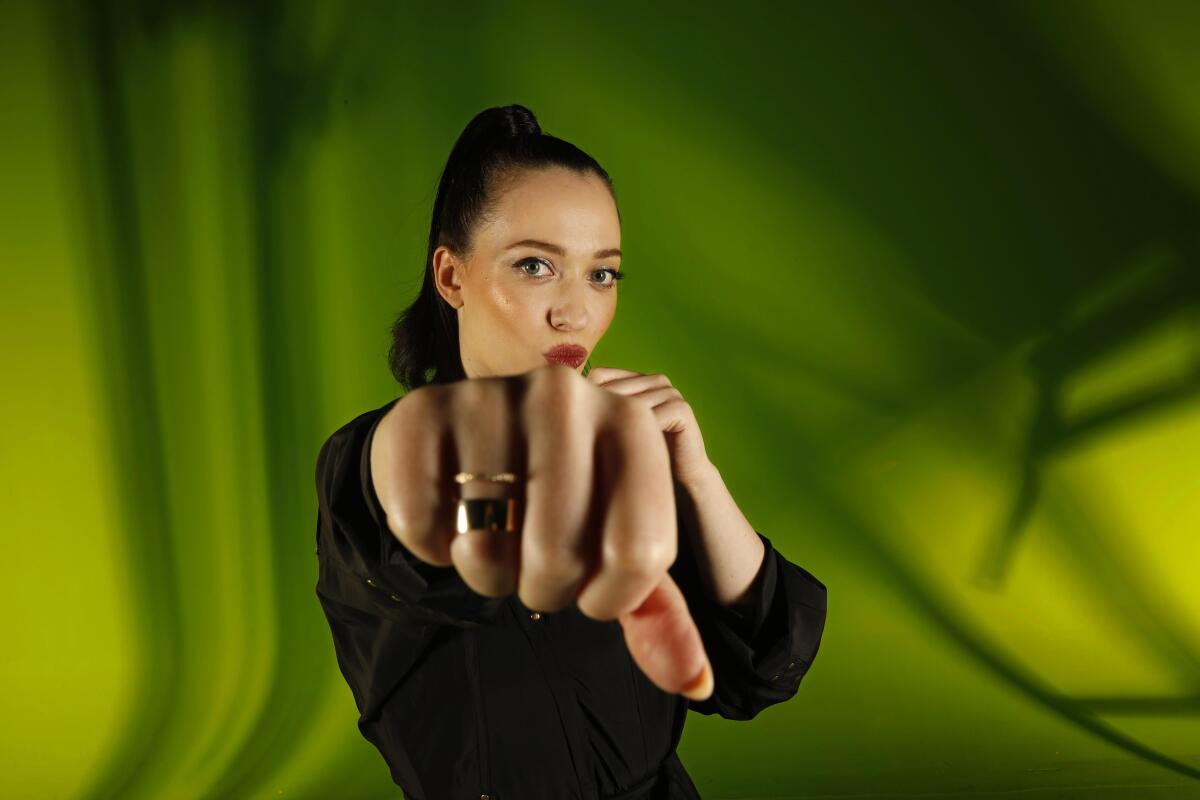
(538, 276)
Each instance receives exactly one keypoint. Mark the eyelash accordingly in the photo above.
(616, 274)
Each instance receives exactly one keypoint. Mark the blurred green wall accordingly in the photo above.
(927, 272)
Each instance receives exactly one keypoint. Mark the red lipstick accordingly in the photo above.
(571, 355)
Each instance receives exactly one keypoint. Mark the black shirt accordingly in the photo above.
(468, 696)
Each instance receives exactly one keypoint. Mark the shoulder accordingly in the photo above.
(351, 433)
(366, 419)
(361, 422)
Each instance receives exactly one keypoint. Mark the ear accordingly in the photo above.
(447, 275)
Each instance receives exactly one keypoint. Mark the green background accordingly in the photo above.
(926, 273)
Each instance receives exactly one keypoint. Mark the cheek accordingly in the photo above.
(509, 306)
(605, 312)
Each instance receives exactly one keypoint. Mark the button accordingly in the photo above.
(371, 582)
(535, 616)
(774, 677)
(396, 597)
(483, 797)
(791, 664)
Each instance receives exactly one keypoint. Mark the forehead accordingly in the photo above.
(557, 205)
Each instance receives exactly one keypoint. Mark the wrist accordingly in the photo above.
(703, 478)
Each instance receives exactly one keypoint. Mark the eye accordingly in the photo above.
(535, 262)
(525, 262)
(616, 276)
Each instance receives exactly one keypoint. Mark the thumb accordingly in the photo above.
(665, 643)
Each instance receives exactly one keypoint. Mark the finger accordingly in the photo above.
(411, 459)
(638, 536)
(673, 414)
(665, 643)
(600, 375)
(639, 543)
(484, 438)
(653, 398)
(636, 383)
(560, 415)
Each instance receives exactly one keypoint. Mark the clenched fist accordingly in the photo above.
(597, 527)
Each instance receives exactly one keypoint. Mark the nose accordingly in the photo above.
(569, 313)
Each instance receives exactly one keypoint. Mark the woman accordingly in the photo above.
(548, 641)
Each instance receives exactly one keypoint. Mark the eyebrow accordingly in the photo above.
(553, 248)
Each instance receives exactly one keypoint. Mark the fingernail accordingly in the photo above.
(701, 686)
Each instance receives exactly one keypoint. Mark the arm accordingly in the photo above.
(762, 625)
(729, 554)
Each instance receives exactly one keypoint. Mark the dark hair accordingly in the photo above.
(491, 151)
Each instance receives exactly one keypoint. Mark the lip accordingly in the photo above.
(571, 355)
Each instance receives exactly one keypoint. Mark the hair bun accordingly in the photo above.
(520, 121)
(502, 123)
(492, 150)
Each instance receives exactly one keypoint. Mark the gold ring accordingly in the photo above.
(487, 514)
(494, 477)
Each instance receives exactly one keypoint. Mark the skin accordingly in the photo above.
(513, 304)
(510, 312)
(508, 318)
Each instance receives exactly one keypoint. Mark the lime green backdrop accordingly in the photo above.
(927, 273)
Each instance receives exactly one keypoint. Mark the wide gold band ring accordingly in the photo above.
(487, 514)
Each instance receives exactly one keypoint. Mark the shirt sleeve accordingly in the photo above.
(361, 564)
(760, 650)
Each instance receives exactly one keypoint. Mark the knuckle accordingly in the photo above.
(411, 539)
(556, 565)
(401, 528)
(424, 402)
(554, 379)
(630, 413)
(471, 394)
(558, 399)
(413, 530)
(639, 430)
(641, 556)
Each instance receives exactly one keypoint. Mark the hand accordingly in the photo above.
(674, 415)
(599, 520)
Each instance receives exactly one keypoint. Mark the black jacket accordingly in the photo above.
(468, 696)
